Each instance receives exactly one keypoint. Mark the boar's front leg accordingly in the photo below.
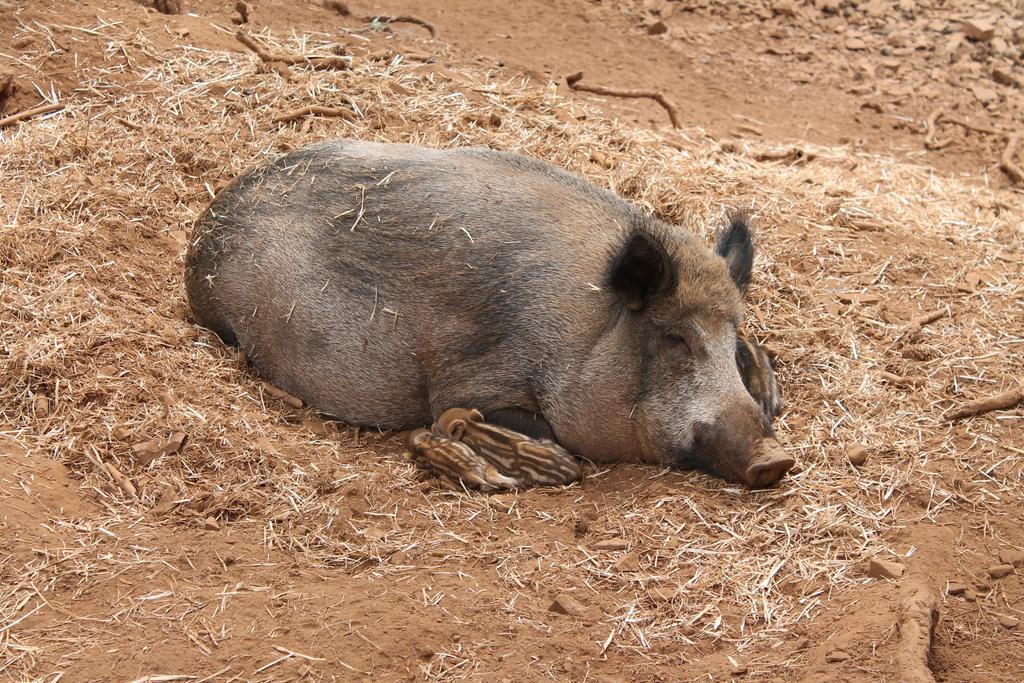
(758, 376)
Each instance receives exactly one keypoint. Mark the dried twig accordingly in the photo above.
(790, 154)
(122, 481)
(404, 19)
(574, 83)
(1006, 161)
(318, 110)
(1007, 399)
(343, 9)
(29, 113)
(932, 129)
(920, 321)
(901, 380)
(316, 61)
(917, 623)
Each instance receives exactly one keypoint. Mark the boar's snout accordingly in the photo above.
(738, 450)
(768, 465)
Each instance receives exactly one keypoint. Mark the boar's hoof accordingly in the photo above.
(533, 462)
(456, 461)
(768, 467)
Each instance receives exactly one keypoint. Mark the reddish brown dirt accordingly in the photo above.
(155, 595)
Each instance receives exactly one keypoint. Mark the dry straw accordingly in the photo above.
(95, 211)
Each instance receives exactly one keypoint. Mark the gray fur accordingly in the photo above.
(385, 283)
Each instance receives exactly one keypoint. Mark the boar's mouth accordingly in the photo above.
(756, 463)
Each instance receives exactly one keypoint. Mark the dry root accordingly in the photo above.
(1007, 399)
(342, 9)
(404, 19)
(788, 154)
(316, 61)
(1006, 161)
(29, 113)
(917, 625)
(673, 114)
(315, 109)
(918, 323)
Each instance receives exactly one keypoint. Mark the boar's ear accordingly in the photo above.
(736, 246)
(641, 271)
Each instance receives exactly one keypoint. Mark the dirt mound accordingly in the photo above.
(270, 543)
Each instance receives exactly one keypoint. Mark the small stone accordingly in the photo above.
(210, 524)
(874, 8)
(837, 656)
(884, 569)
(1000, 570)
(855, 43)
(802, 644)
(148, 451)
(628, 563)
(739, 670)
(856, 454)
(1003, 76)
(970, 596)
(656, 28)
(1006, 621)
(978, 29)
(956, 589)
(41, 405)
(784, 8)
(611, 544)
(984, 94)
(166, 501)
(1012, 557)
(318, 427)
(170, 6)
(568, 605)
(107, 372)
(601, 159)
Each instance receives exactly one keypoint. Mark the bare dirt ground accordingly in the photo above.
(272, 545)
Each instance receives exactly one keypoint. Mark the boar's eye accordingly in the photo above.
(678, 341)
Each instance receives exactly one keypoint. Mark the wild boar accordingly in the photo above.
(385, 283)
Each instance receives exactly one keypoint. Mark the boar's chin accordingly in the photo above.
(690, 459)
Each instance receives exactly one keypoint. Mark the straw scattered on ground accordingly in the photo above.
(97, 207)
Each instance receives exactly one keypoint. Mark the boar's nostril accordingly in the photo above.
(768, 468)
